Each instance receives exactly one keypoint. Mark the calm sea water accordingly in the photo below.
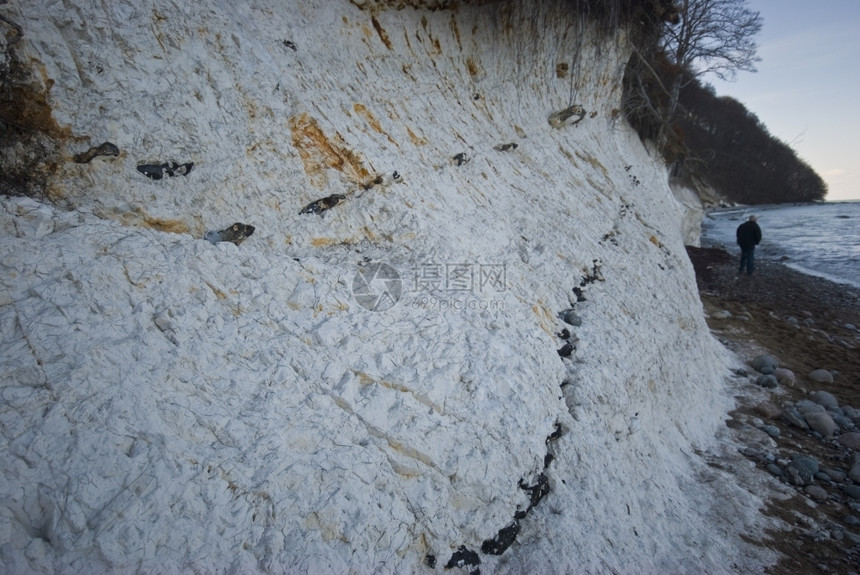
(821, 239)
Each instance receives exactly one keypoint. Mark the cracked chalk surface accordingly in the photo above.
(170, 404)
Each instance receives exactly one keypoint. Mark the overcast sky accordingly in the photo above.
(807, 88)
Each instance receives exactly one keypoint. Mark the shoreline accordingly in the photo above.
(806, 323)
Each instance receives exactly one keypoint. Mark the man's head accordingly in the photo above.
(753, 218)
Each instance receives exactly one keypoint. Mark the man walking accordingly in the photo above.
(749, 236)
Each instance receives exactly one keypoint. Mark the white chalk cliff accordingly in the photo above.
(170, 405)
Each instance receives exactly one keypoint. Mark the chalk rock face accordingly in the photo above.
(234, 407)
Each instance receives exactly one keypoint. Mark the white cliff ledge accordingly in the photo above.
(174, 405)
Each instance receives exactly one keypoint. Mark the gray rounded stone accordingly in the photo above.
(785, 376)
(816, 492)
(765, 364)
(828, 400)
(850, 440)
(834, 474)
(821, 422)
(821, 376)
(793, 417)
(807, 462)
(852, 491)
(768, 410)
(767, 380)
(774, 469)
(799, 475)
(842, 421)
(805, 406)
(854, 474)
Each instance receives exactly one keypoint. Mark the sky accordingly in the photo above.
(807, 86)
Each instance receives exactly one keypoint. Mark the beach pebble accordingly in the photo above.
(798, 475)
(765, 364)
(774, 469)
(842, 421)
(834, 474)
(828, 400)
(768, 381)
(793, 417)
(771, 430)
(821, 476)
(850, 440)
(821, 422)
(801, 471)
(816, 492)
(768, 410)
(805, 406)
(853, 491)
(854, 474)
(851, 520)
(806, 462)
(785, 376)
(849, 411)
(722, 314)
(821, 376)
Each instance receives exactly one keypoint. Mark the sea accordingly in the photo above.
(817, 239)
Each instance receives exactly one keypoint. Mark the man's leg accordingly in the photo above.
(743, 261)
(750, 262)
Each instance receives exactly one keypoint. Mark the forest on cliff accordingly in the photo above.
(708, 139)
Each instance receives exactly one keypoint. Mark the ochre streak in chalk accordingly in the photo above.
(362, 111)
(318, 152)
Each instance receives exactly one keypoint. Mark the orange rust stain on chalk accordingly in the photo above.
(456, 31)
(139, 218)
(167, 225)
(472, 66)
(318, 152)
(362, 111)
(416, 139)
(383, 35)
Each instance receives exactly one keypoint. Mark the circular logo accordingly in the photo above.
(377, 286)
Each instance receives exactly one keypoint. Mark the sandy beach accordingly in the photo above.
(806, 323)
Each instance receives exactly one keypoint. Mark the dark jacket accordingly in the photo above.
(749, 235)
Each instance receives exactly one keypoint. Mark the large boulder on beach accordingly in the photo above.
(828, 400)
(820, 376)
(765, 364)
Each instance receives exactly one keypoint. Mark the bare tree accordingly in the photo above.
(713, 36)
